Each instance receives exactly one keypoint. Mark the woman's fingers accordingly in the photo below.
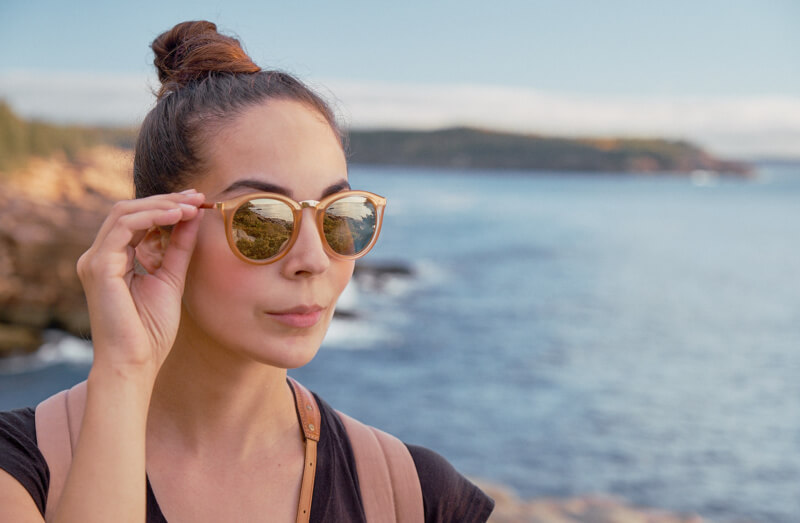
(111, 254)
(160, 201)
(179, 252)
(131, 228)
(137, 216)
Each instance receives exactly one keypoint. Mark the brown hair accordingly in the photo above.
(206, 79)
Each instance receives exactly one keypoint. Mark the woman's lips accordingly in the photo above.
(300, 317)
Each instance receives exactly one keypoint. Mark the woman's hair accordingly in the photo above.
(206, 80)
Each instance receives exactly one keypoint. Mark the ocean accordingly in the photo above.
(569, 334)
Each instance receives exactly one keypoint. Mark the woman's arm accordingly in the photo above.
(106, 481)
(16, 502)
(134, 320)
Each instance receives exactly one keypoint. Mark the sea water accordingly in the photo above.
(568, 334)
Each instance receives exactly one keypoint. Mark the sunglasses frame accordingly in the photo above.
(228, 209)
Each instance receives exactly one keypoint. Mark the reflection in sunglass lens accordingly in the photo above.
(261, 228)
(349, 224)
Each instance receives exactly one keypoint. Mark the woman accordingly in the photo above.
(238, 283)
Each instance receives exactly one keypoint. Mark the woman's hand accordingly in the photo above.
(135, 317)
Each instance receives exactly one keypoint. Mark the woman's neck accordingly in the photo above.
(208, 399)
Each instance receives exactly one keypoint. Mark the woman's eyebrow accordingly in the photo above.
(343, 185)
(263, 186)
(258, 185)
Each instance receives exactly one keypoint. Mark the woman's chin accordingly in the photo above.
(289, 356)
(294, 348)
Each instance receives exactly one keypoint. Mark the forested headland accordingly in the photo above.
(459, 148)
(22, 139)
(466, 148)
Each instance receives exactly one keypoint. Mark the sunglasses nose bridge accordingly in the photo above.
(308, 203)
(313, 205)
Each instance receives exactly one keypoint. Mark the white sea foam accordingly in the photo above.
(67, 349)
(348, 300)
(376, 321)
(396, 287)
(58, 348)
(358, 334)
(376, 318)
(430, 273)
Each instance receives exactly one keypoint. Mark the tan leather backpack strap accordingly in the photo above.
(58, 421)
(310, 421)
(390, 488)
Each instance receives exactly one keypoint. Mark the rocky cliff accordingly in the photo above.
(50, 210)
(509, 508)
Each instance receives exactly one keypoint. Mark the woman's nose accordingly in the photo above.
(307, 257)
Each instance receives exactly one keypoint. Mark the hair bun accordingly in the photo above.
(191, 50)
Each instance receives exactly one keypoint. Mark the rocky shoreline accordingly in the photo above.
(52, 209)
(510, 508)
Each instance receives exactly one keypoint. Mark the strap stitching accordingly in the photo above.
(69, 424)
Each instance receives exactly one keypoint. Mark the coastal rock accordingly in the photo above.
(51, 211)
(369, 277)
(509, 508)
(375, 276)
(17, 339)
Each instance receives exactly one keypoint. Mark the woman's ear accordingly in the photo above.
(150, 251)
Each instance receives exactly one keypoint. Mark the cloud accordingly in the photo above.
(732, 125)
(738, 126)
(81, 98)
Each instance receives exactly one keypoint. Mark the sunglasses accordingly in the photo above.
(262, 227)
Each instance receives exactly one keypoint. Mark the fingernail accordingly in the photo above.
(188, 191)
(187, 207)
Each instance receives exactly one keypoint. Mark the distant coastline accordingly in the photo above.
(469, 148)
(458, 148)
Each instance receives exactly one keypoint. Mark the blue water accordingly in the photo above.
(574, 334)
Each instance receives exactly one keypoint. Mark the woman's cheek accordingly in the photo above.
(215, 276)
(343, 276)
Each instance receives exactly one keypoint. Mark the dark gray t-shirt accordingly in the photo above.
(447, 495)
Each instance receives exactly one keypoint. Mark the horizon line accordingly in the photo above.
(740, 126)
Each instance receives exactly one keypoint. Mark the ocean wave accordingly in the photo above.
(58, 348)
(372, 312)
(368, 315)
(358, 334)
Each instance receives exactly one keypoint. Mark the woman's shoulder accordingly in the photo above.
(447, 495)
(19, 453)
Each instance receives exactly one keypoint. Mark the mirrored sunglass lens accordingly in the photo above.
(349, 224)
(261, 227)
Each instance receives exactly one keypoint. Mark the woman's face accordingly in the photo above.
(276, 313)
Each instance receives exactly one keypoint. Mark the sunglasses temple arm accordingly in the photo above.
(207, 206)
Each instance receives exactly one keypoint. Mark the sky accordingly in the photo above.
(724, 74)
